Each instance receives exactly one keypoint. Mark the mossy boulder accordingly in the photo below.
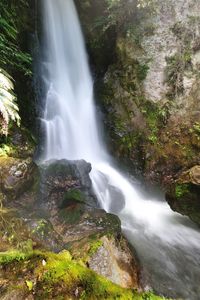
(16, 176)
(20, 230)
(63, 181)
(183, 194)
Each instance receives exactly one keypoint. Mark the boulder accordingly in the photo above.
(114, 260)
(63, 181)
(183, 194)
(16, 176)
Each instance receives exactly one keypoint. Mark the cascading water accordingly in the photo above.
(167, 243)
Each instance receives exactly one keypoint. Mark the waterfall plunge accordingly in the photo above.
(167, 243)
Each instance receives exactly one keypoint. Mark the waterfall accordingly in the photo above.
(166, 242)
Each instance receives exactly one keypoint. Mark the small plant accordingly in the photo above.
(196, 127)
(181, 190)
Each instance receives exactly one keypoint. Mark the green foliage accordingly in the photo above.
(142, 70)
(156, 118)
(181, 190)
(29, 284)
(13, 59)
(174, 75)
(11, 22)
(8, 106)
(14, 255)
(121, 13)
(5, 150)
(196, 128)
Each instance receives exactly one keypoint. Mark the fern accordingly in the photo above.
(8, 106)
(12, 57)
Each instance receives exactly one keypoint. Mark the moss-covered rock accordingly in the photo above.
(45, 275)
(16, 176)
(63, 182)
(183, 194)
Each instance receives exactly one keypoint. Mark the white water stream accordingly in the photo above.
(167, 244)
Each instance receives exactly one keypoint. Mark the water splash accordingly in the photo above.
(167, 243)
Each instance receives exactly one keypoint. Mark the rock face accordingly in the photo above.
(149, 91)
(61, 212)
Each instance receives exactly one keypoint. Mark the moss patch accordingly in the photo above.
(58, 276)
(181, 190)
(73, 195)
(72, 214)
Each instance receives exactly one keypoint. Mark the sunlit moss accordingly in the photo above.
(57, 275)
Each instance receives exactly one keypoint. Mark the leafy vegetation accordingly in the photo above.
(120, 13)
(8, 106)
(181, 190)
(12, 57)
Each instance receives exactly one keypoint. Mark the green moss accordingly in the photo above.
(72, 215)
(196, 128)
(73, 195)
(23, 148)
(181, 190)
(57, 275)
(14, 255)
(5, 150)
(95, 245)
(141, 71)
(152, 116)
(42, 228)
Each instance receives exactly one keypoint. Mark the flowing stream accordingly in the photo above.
(167, 243)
